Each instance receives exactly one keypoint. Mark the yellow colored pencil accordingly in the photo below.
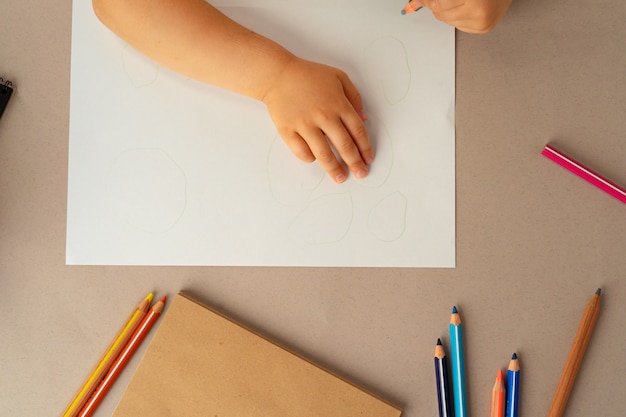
(98, 373)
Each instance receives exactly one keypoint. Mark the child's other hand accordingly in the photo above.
(472, 16)
(313, 104)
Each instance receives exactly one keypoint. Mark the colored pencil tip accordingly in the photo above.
(163, 299)
(149, 297)
(403, 11)
(454, 310)
(598, 291)
(439, 342)
(514, 356)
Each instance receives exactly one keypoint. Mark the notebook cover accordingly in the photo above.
(201, 363)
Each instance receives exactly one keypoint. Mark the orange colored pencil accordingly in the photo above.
(105, 362)
(575, 358)
(411, 7)
(498, 396)
(138, 336)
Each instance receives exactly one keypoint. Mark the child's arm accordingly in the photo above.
(472, 16)
(307, 101)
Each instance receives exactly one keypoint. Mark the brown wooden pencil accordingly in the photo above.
(575, 357)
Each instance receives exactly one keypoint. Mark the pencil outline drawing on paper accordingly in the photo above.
(387, 219)
(382, 54)
(337, 210)
(382, 142)
(290, 181)
(147, 189)
(306, 191)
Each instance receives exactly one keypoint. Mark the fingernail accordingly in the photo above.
(340, 178)
(369, 159)
(361, 173)
(363, 115)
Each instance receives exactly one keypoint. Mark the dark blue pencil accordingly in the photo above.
(441, 376)
(512, 387)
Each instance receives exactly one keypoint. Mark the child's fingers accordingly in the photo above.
(347, 148)
(354, 125)
(353, 95)
(359, 136)
(459, 16)
(455, 16)
(299, 147)
(438, 6)
(471, 16)
(312, 150)
(316, 140)
(475, 23)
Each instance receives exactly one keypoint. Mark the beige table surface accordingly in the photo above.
(533, 241)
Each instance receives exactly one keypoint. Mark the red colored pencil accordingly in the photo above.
(122, 360)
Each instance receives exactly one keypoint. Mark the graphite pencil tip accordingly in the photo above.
(454, 310)
(514, 356)
(403, 11)
(439, 342)
(599, 291)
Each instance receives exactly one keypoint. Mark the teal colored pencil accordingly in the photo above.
(512, 387)
(458, 364)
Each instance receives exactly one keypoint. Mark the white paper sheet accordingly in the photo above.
(164, 170)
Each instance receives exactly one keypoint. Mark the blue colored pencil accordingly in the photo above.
(441, 376)
(458, 364)
(512, 387)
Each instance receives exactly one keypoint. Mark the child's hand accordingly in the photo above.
(472, 16)
(313, 104)
(315, 107)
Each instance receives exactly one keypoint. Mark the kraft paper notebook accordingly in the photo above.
(201, 363)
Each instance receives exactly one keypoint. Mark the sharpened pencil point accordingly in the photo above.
(514, 356)
(439, 342)
(454, 310)
(403, 11)
(163, 299)
(599, 291)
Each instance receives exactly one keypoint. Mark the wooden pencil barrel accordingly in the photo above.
(575, 357)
